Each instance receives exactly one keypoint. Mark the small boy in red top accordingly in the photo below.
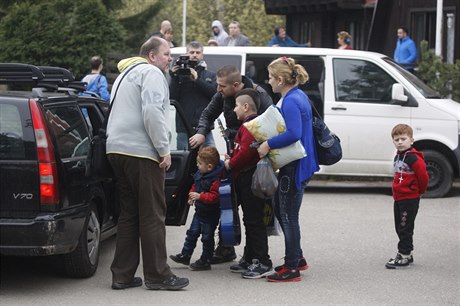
(409, 183)
(204, 194)
(256, 262)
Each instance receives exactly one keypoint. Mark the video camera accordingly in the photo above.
(185, 63)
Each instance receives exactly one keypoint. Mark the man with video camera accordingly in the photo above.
(192, 86)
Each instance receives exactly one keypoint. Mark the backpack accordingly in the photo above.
(327, 144)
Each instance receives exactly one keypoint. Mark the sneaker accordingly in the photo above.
(223, 254)
(285, 275)
(181, 258)
(257, 270)
(302, 266)
(200, 265)
(241, 266)
(171, 283)
(400, 260)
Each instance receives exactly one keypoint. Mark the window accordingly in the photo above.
(69, 130)
(361, 81)
(179, 131)
(11, 133)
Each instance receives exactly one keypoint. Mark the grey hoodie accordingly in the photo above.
(222, 34)
(139, 121)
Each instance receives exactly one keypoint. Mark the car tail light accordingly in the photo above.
(49, 189)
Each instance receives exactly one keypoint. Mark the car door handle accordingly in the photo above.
(339, 108)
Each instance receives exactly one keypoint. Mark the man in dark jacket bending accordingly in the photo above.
(229, 82)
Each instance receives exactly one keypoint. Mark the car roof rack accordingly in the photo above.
(14, 73)
(56, 75)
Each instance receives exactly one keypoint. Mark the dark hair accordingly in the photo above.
(253, 94)
(209, 155)
(231, 73)
(402, 128)
(405, 29)
(195, 45)
(95, 62)
(152, 44)
(277, 30)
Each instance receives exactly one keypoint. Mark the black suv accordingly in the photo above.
(48, 206)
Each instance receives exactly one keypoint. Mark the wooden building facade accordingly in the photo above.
(371, 23)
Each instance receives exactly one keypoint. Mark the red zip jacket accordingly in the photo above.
(244, 157)
(410, 176)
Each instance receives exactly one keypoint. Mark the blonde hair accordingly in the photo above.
(291, 72)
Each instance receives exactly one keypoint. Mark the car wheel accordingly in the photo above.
(440, 172)
(83, 261)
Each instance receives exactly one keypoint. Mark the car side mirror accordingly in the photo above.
(397, 94)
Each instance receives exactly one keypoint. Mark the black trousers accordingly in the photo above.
(405, 212)
(253, 218)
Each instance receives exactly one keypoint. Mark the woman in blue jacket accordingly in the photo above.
(284, 77)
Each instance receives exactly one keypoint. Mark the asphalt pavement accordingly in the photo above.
(347, 236)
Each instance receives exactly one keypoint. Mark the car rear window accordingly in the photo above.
(12, 126)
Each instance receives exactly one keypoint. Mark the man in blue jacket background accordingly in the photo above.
(406, 51)
(281, 39)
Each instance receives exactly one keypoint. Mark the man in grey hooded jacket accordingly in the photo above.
(219, 32)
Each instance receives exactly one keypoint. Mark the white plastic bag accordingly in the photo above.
(264, 181)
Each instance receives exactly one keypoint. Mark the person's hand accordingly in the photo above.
(275, 45)
(196, 140)
(174, 69)
(193, 196)
(165, 162)
(263, 149)
(193, 74)
(227, 164)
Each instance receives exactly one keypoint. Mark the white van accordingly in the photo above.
(362, 95)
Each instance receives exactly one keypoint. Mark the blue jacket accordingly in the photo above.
(97, 83)
(203, 183)
(287, 42)
(405, 52)
(297, 114)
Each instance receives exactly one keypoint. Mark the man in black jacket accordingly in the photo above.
(229, 82)
(193, 87)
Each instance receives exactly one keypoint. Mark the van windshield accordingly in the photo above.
(424, 89)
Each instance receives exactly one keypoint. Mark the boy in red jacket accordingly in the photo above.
(409, 183)
(256, 262)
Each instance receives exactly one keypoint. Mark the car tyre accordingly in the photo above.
(83, 261)
(440, 172)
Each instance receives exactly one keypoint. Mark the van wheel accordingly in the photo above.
(440, 172)
(83, 261)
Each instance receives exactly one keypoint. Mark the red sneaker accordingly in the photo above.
(285, 275)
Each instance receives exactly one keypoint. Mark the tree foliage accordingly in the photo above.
(443, 77)
(58, 33)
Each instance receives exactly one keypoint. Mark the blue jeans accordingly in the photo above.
(182, 141)
(287, 205)
(204, 226)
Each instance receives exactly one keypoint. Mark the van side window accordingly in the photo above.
(256, 70)
(361, 81)
(69, 130)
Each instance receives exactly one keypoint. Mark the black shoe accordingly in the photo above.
(171, 283)
(180, 258)
(400, 260)
(136, 282)
(302, 266)
(285, 275)
(223, 254)
(200, 265)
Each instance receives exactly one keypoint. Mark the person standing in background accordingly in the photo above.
(236, 38)
(344, 40)
(219, 34)
(406, 52)
(97, 83)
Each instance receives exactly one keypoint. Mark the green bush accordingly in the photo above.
(58, 33)
(443, 77)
